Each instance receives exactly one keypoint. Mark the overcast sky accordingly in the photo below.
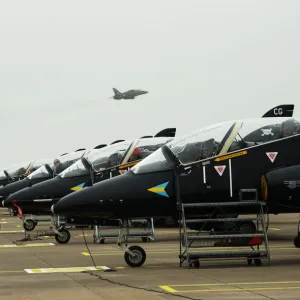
(201, 61)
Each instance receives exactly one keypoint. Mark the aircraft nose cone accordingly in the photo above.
(125, 195)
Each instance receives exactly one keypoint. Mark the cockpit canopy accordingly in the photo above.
(114, 155)
(15, 170)
(63, 162)
(220, 139)
(36, 164)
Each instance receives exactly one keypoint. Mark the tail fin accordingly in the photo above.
(100, 146)
(116, 91)
(284, 110)
(168, 132)
(117, 141)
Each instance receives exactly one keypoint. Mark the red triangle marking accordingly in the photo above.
(220, 169)
(272, 155)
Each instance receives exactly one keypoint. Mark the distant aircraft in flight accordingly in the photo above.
(131, 94)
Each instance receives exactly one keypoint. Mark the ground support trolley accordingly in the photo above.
(145, 231)
(252, 246)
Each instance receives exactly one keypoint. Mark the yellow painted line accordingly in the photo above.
(170, 288)
(167, 288)
(235, 283)
(27, 245)
(240, 290)
(65, 270)
(174, 250)
(276, 229)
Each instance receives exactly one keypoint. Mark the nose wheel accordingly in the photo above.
(136, 258)
(29, 224)
(63, 236)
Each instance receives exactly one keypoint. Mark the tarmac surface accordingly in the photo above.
(44, 269)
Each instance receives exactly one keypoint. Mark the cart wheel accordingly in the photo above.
(102, 241)
(169, 221)
(64, 237)
(297, 241)
(145, 239)
(29, 225)
(197, 264)
(257, 262)
(249, 261)
(247, 227)
(137, 259)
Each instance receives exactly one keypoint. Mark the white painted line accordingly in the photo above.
(66, 270)
(11, 231)
(230, 178)
(204, 175)
(27, 245)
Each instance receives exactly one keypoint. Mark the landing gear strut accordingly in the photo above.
(297, 238)
(135, 256)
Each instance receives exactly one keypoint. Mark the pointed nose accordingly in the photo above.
(122, 196)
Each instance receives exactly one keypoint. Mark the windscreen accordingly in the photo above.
(41, 172)
(155, 162)
(203, 143)
(63, 162)
(109, 156)
(147, 146)
(75, 170)
(2, 175)
(37, 164)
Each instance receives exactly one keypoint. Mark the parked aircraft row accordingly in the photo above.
(212, 164)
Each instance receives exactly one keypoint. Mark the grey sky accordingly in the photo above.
(201, 61)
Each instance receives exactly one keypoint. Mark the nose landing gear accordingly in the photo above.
(135, 256)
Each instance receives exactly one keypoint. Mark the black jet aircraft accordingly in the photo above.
(39, 171)
(17, 172)
(96, 165)
(131, 94)
(213, 164)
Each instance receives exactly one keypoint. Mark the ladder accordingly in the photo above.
(200, 244)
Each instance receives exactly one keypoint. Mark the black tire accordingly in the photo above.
(169, 221)
(138, 260)
(297, 241)
(102, 241)
(257, 262)
(197, 264)
(64, 239)
(249, 261)
(29, 225)
(145, 239)
(247, 227)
